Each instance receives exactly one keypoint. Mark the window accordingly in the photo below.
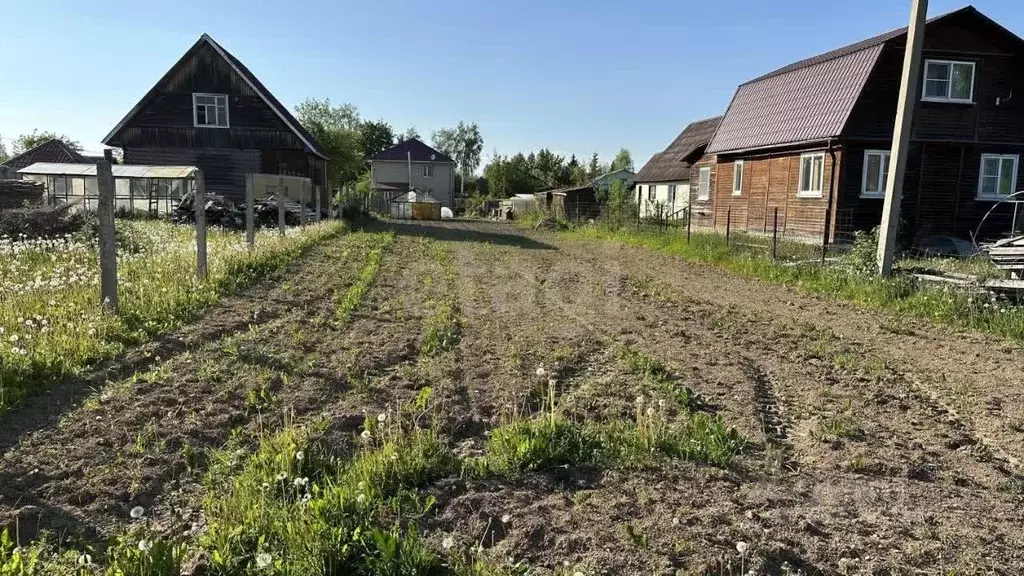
(737, 178)
(671, 194)
(210, 110)
(998, 176)
(704, 184)
(812, 170)
(948, 81)
(428, 170)
(650, 192)
(876, 174)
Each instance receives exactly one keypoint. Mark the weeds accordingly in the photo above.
(355, 293)
(656, 373)
(441, 329)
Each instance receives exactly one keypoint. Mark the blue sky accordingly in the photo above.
(576, 77)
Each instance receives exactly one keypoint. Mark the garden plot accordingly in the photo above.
(464, 398)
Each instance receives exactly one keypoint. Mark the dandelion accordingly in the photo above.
(361, 499)
(382, 417)
(361, 485)
(365, 435)
(505, 518)
(650, 410)
(263, 560)
(145, 545)
(639, 400)
(281, 477)
(137, 512)
(448, 543)
(300, 482)
(661, 403)
(84, 560)
(299, 455)
(741, 547)
(541, 372)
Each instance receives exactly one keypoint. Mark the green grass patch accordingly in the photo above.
(355, 293)
(656, 374)
(441, 330)
(52, 324)
(899, 295)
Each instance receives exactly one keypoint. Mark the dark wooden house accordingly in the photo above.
(668, 182)
(210, 111)
(811, 139)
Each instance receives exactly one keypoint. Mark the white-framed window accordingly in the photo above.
(737, 178)
(210, 110)
(704, 183)
(998, 178)
(651, 189)
(948, 81)
(876, 174)
(812, 175)
(671, 194)
(428, 170)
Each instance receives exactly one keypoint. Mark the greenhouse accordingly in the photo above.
(154, 189)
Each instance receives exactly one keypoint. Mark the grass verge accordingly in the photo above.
(900, 295)
(51, 321)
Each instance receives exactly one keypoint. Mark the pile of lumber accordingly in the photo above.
(1008, 255)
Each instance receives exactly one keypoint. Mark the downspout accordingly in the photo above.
(828, 208)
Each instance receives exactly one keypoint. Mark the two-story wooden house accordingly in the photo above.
(812, 139)
(210, 111)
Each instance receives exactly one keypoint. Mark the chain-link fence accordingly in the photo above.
(773, 232)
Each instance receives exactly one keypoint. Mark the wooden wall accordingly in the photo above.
(703, 212)
(771, 182)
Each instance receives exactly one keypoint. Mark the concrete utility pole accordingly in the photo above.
(901, 137)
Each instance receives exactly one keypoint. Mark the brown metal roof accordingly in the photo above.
(810, 100)
(412, 149)
(673, 163)
(53, 150)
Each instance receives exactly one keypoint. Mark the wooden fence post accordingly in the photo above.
(280, 205)
(330, 201)
(302, 203)
(250, 216)
(200, 205)
(728, 224)
(108, 237)
(689, 221)
(775, 235)
(319, 193)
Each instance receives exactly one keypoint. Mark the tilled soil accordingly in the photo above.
(874, 449)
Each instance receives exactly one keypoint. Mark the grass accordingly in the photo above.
(441, 330)
(51, 321)
(354, 295)
(899, 295)
(654, 372)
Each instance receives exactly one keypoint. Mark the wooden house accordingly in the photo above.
(52, 150)
(665, 184)
(811, 139)
(210, 111)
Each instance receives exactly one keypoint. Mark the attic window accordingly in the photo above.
(948, 81)
(210, 110)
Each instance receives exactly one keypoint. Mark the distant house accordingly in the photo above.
(53, 150)
(663, 185)
(211, 112)
(409, 165)
(604, 181)
(811, 139)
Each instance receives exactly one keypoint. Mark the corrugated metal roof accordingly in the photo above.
(671, 163)
(119, 170)
(803, 104)
(53, 150)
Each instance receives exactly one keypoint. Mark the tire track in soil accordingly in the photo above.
(125, 446)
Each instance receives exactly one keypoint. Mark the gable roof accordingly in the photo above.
(53, 150)
(414, 148)
(249, 78)
(810, 100)
(673, 163)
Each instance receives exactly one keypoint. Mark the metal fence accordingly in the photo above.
(772, 233)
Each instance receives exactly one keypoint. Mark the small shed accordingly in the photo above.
(415, 205)
(573, 203)
(155, 189)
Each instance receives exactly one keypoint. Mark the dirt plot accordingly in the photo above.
(876, 445)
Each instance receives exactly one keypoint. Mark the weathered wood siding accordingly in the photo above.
(770, 183)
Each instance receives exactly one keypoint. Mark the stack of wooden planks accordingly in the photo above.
(1008, 255)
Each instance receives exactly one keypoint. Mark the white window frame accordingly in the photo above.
(810, 192)
(1013, 177)
(652, 192)
(671, 194)
(737, 183)
(704, 186)
(195, 110)
(949, 82)
(428, 170)
(882, 178)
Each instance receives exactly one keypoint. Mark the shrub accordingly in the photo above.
(41, 222)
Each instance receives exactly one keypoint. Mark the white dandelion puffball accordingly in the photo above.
(541, 372)
(650, 410)
(382, 417)
(145, 545)
(365, 434)
(639, 399)
(85, 560)
(263, 560)
(281, 477)
(741, 547)
(361, 498)
(299, 455)
(137, 512)
(675, 521)
(300, 482)
(505, 518)
(448, 543)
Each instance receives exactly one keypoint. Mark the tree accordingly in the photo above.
(336, 128)
(409, 134)
(3, 151)
(30, 141)
(623, 161)
(464, 144)
(594, 170)
(376, 137)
